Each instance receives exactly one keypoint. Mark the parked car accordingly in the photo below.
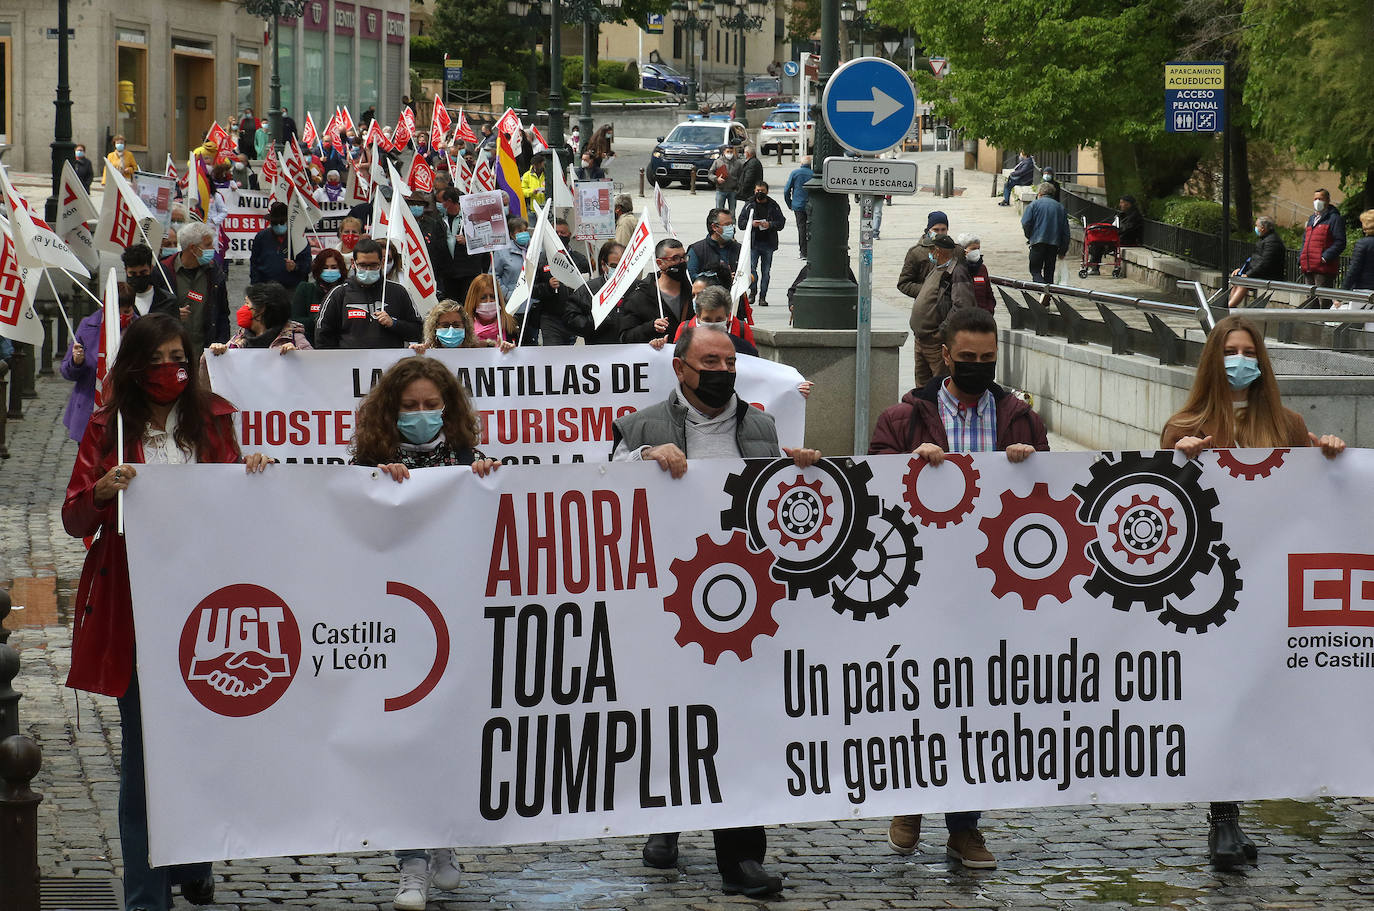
(763, 88)
(782, 129)
(660, 77)
(692, 144)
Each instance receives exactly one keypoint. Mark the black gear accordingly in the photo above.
(856, 506)
(1201, 531)
(895, 574)
(1226, 602)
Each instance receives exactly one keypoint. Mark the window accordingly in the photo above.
(286, 67)
(677, 42)
(249, 82)
(369, 76)
(131, 96)
(343, 72)
(717, 47)
(5, 89)
(312, 95)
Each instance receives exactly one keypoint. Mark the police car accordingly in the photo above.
(783, 129)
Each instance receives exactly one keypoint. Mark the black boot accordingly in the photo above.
(1226, 843)
(661, 851)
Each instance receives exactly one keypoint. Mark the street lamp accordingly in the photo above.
(522, 9)
(693, 16)
(740, 17)
(855, 16)
(274, 10)
(62, 146)
(591, 14)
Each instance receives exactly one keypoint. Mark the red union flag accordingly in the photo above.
(376, 136)
(439, 124)
(509, 122)
(418, 275)
(220, 136)
(311, 136)
(420, 178)
(405, 128)
(637, 256)
(462, 130)
(18, 321)
(269, 169)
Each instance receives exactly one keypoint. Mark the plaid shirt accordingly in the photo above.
(969, 429)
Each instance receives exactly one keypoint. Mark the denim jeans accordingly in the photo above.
(877, 216)
(147, 888)
(553, 331)
(726, 201)
(762, 258)
(1011, 185)
(962, 822)
(1042, 258)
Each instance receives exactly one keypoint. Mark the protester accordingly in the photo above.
(1323, 240)
(750, 172)
(726, 174)
(578, 313)
(764, 219)
(332, 160)
(717, 254)
(656, 303)
(552, 297)
(532, 183)
(1130, 226)
(153, 291)
(365, 311)
(1361, 272)
(262, 138)
(600, 144)
(350, 232)
(625, 219)
(1046, 226)
(201, 287)
(454, 267)
(509, 261)
(940, 295)
(703, 418)
(333, 189)
(265, 322)
(270, 258)
(1269, 261)
(711, 310)
(971, 249)
(121, 159)
(78, 365)
(327, 272)
(795, 195)
(590, 168)
(176, 220)
(446, 325)
(492, 326)
(168, 418)
(1022, 175)
(81, 166)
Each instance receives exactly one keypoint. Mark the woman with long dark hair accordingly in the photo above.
(169, 418)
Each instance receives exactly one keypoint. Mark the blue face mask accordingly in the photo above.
(1241, 371)
(523, 238)
(207, 256)
(420, 426)
(1257, 233)
(727, 232)
(417, 211)
(279, 230)
(368, 276)
(451, 336)
(329, 276)
(119, 146)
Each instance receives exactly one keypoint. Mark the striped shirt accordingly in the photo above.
(969, 429)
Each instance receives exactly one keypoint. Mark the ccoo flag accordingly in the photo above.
(508, 178)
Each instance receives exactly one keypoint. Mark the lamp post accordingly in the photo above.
(740, 17)
(855, 16)
(591, 14)
(553, 11)
(522, 9)
(693, 16)
(273, 10)
(62, 146)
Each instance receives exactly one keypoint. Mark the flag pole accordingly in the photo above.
(157, 259)
(500, 309)
(78, 283)
(61, 309)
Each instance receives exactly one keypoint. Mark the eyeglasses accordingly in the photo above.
(673, 260)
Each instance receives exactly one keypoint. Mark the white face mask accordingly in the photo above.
(718, 326)
(1319, 205)
(974, 256)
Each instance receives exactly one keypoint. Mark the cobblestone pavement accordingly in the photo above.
(1316, 854)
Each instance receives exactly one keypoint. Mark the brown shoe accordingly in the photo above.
(969, 849)
(904, 833)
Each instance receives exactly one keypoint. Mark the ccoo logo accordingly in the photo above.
(239, 650)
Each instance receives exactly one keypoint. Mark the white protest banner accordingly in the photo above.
(664, 215)
(593, 208)
(619, 652)
(562, 193)
(639, 253)
(484, 221)
(561, 265)
(74, 204)
(739, 286)
(158, 192)
(247, 215)
(536, 404)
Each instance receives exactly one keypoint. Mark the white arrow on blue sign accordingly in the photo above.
(869, 105)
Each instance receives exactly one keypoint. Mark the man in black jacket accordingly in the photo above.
(366, 312)
(553, 296)
(1130, 226)
(655, 304)
(1269, 261)
(763, 216)
(750, 173)
(715, 256)
(454, 266)
(200, 286)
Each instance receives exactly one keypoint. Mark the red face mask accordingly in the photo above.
(164, 382)
(245, 316)
(125, 319)
(348, 241)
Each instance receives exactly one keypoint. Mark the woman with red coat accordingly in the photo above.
(168, 419)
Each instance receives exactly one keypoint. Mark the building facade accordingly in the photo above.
(161, 72)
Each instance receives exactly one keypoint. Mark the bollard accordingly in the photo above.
(9, 669)
(4, 411)
(994, 184)
(15, 411)
(45, 353)
(939, 184)
(23, 369)
(641, 183)
(20, 760)
(779, 148)
(692, 181)
(949, 183)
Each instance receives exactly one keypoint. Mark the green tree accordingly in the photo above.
(1307, 85)
(486, 38)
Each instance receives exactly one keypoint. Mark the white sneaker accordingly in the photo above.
(413, 892)
(445, 874)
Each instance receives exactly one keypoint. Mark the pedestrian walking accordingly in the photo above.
(1046, 226)
(939, 296)
(726, 173)
(1269, 260)
(971, 249)
(1323, 240)
(795, 194)
(763, 218)
(365, 311)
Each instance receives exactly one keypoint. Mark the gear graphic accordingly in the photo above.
(724, 597)
(872, 592)
(1142, 529)
(953, 515)
(1226, 602)
(800, 511)
(1171, 573)
(1037, 512)
(1250, 470)
(833, 556)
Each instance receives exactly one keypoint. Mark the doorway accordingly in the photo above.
(193, 98)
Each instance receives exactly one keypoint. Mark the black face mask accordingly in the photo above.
(760, 196)
(974, 377)
(677, 273)
(714, 387)
(140, 283)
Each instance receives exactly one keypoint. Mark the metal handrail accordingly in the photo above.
(1334, 294)
(1106, 297)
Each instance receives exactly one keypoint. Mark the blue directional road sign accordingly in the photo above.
(791, 68)
(869, 105)
(1194, 97)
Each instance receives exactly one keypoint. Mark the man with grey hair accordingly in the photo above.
(200, 286)
(750, 174)
(1269, 261)
(625, 220)
(711, 307)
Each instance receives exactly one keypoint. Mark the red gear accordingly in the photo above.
(712, 559)
(954, 515)
(1164, 528)
(1250, 470)
(784, 503)
(1077, 536)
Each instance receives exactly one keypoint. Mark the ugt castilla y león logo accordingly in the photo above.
(239, 650)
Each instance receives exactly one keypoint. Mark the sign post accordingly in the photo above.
(453, 72)
(1195, 102)
(868, 106)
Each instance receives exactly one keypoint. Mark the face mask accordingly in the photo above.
(140, 283)
(974, 256)
(930, 256)
(1241, 371)
(973, 377)
(164, 382)
(709, 324)
(329, 276)
(119, 146)
(451, 336)
(729, 154)
(715, 387)
(417, 211)
(727, 232)
(760, 196)
(348, 241)
(368, 276)
(420, 426)
(1319, 205)
(487, 310)
(523, 238)
(934, 234)
(677, 273)
(245, 316)
(125, 319)
(279, 230)
(207, 256)
(80, 153)
(1257, 233)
